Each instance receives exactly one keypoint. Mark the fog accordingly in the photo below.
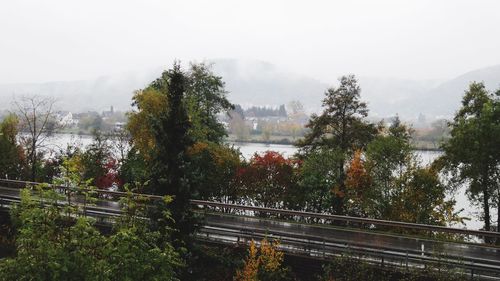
(60, 40)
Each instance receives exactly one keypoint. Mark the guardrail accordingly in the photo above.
(347, 219)
(383, 256)
(283, 212)
(103, 192)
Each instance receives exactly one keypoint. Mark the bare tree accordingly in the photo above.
(37, 121)
(120, 141)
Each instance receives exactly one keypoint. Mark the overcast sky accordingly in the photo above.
(54, 40)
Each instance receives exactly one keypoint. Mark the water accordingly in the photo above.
(249, 149)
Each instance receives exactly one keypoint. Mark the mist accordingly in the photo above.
(58, 40)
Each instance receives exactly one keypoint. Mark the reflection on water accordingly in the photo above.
(248, 149)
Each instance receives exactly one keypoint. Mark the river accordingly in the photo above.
(248, 149)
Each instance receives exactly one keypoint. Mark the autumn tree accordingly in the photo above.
(264, 262)
(472, 154)
(12, 155)
(358, 183)
(98, 162)
(341, 127)
(204, 98)
(267, 180)
(149, 103)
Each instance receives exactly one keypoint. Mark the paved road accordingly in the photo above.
(490, 255)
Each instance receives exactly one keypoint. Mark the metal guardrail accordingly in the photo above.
(373, 255)
(299, 214)
(110, 193)
(406, 225)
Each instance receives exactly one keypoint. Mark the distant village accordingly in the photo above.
(271, 124)
(85, 122)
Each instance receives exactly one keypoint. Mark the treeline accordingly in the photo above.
(173, 146)
(261, 111)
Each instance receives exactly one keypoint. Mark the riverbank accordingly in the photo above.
(283, 140)
(257, 139)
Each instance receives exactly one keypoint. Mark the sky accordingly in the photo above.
(61, 40)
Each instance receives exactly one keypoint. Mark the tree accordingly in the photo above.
(205, 99)
(91, 121)
(150, 103)
(358, 182)
(120, 143)
(267, 180)
(175, 115)
(239, 127)
(35, 114)
(98, 163)
(282, 111)
(472, 154)
(263, 263)
(171, 133)
(318, 180)
(438, 133)
(388, 155)
(296, 107)
(11, 160)
(212, 169)
(399, 187)
(341, 127)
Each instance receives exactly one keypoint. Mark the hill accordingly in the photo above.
(260, 83)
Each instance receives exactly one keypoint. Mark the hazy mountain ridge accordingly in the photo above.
(94, 95)
(447, 96)
(260, 83)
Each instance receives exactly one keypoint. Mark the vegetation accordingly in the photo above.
(173, 146)
(340, 130)
(55, 242)
(472, 154)
(264, 262)
(11, 161)
(345, 268)
(36, 120)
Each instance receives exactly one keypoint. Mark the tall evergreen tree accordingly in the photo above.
(172, 140)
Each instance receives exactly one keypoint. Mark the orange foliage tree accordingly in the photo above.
(267, 179)
(358, 182)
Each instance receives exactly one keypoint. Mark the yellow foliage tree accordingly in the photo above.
(149, 103)
(265, 259)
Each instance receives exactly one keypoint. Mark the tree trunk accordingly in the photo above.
(498, 218)
(487, 217)
(33, 148)
(33, 162)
